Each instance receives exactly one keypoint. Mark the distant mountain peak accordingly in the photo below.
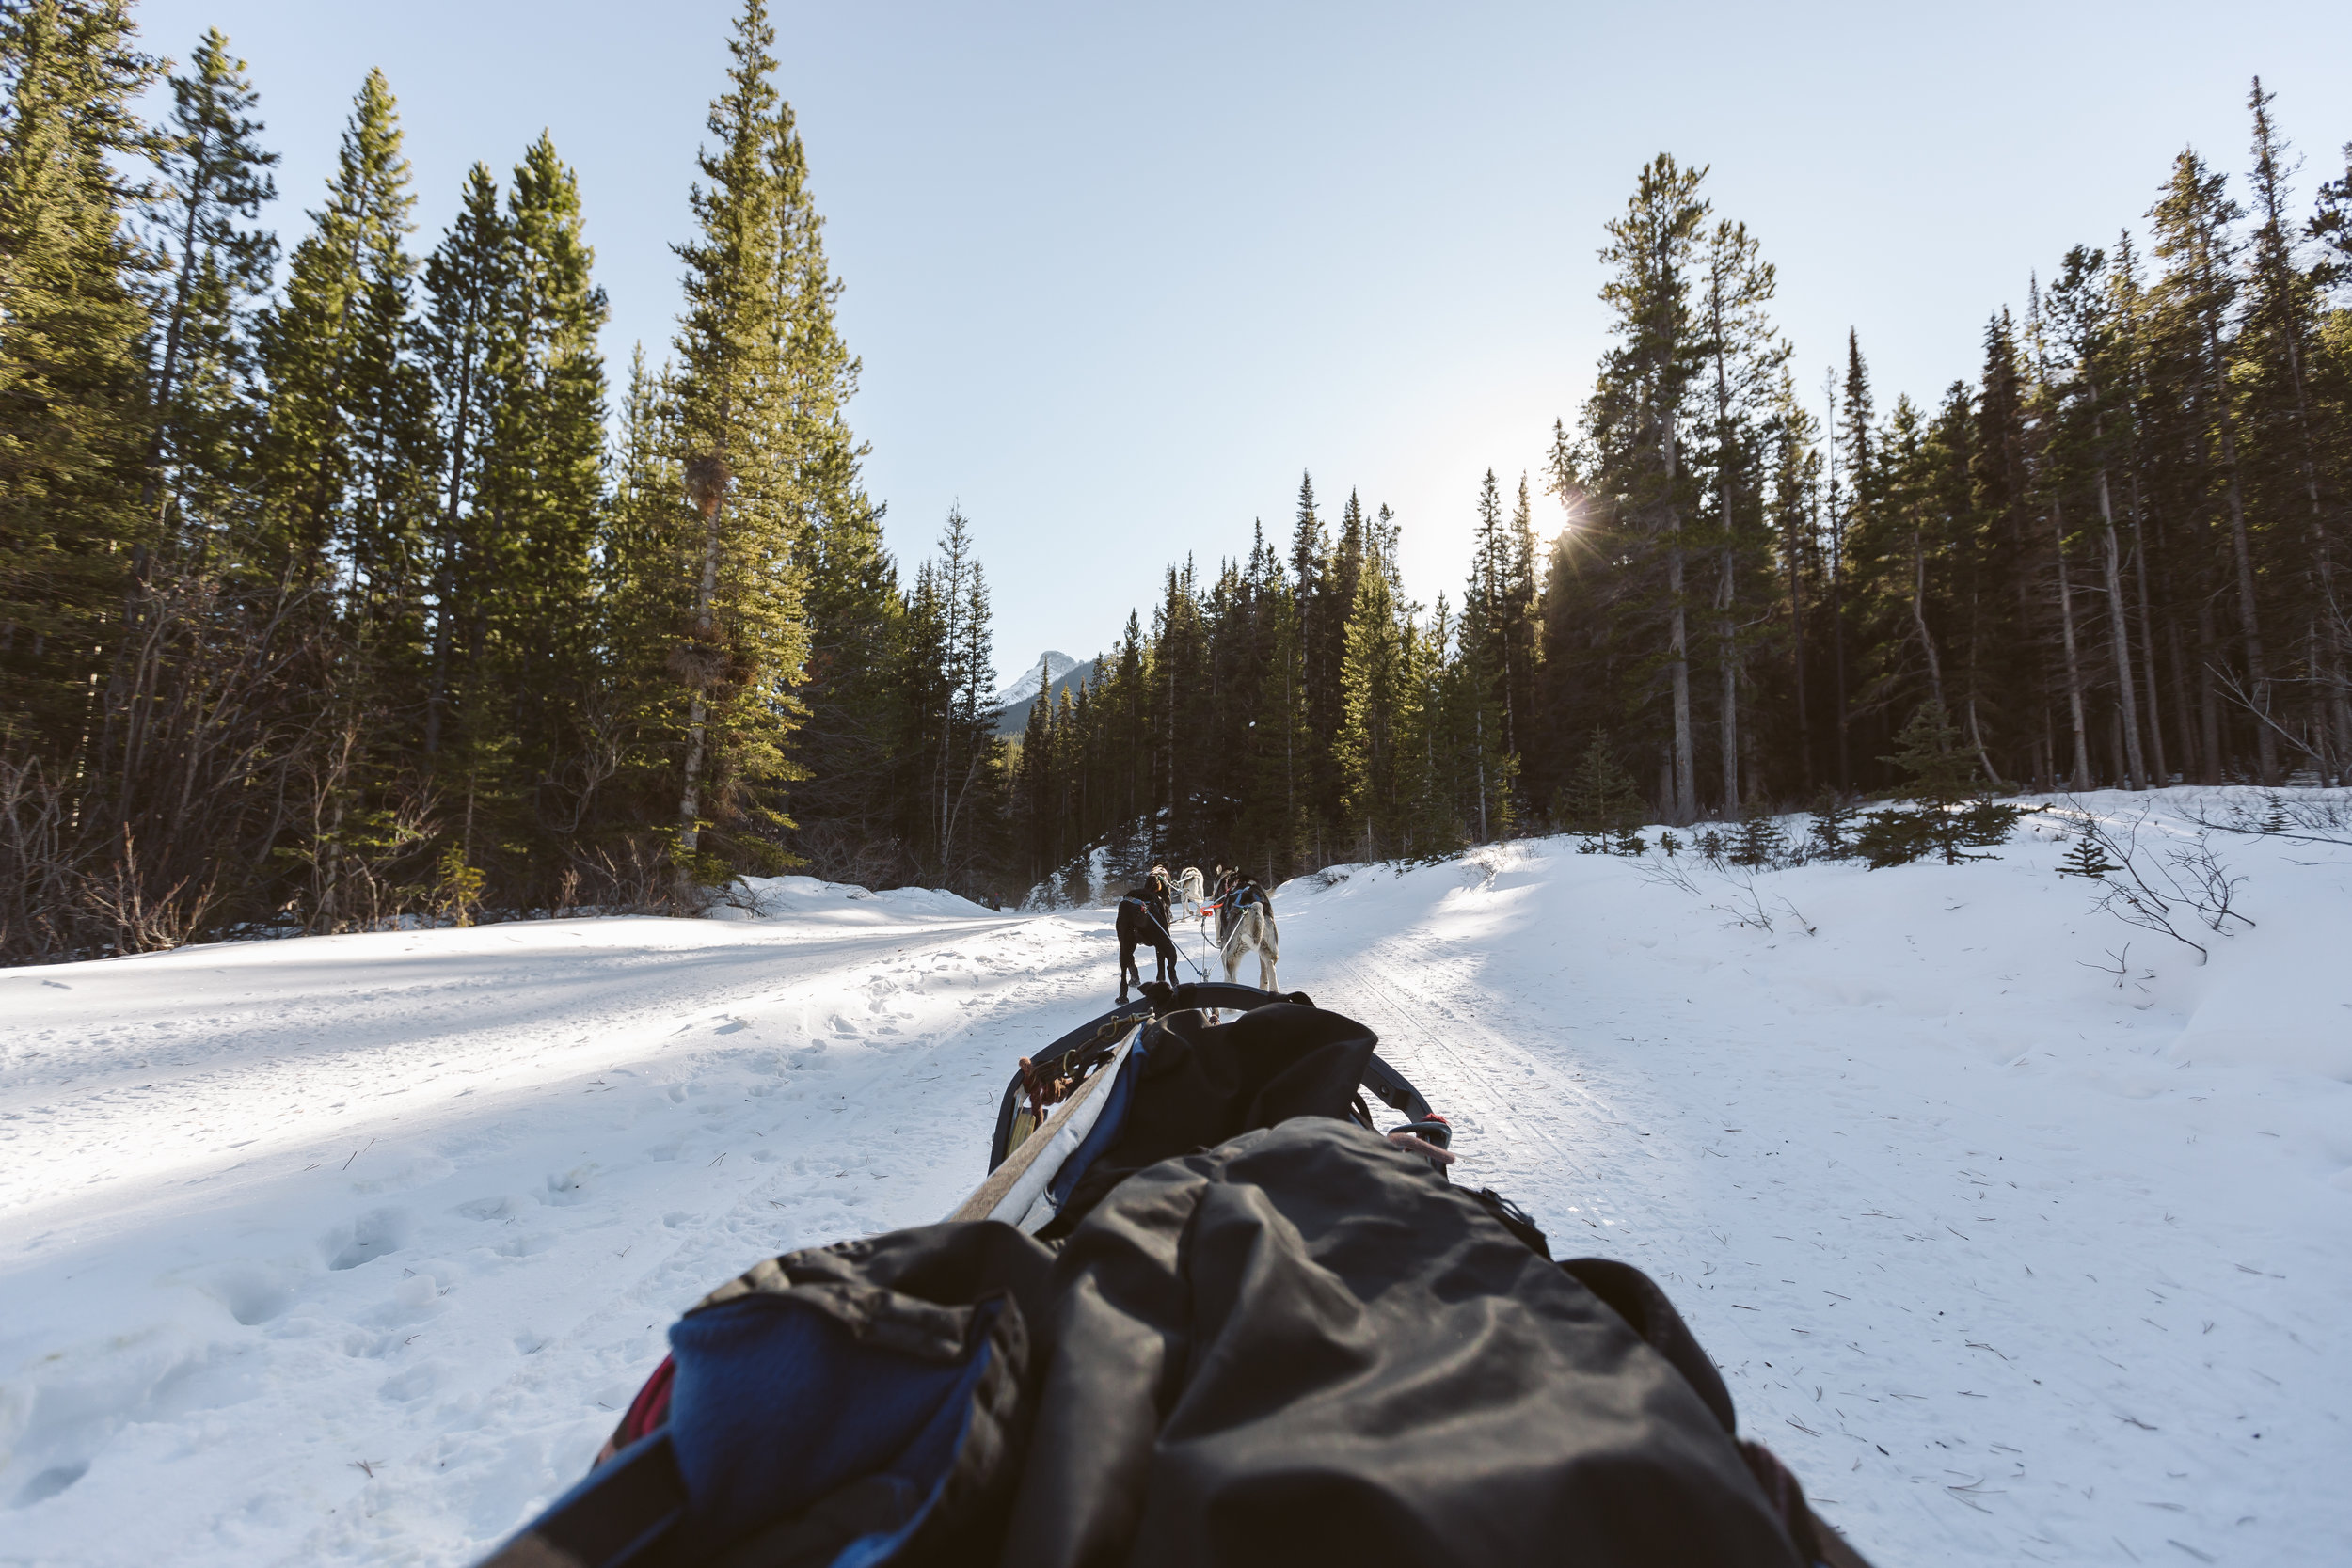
(1051, 665)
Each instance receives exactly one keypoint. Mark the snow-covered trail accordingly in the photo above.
(348, 1250)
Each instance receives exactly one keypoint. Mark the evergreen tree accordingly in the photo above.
(969, 846)
(1761, 841)
(850, 592)
(1599, 797)
(549, 463)
(348, 411)
(1855, 458)
(1522, 739)
(746, 640)
(205, 396)
(642, 594)
(1494, 604)
(2128, 303)
(2288, 442)
(1746, 360)
(1795, 491)
(1034, 787)
(465, 345)
(74, 417)
(2081, 309)
(510, 335)
(1948, 816)
(2197, 292)
(1377, 710)
(1636, 418)
(2086, 859)
(854, 617)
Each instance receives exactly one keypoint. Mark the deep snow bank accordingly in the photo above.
(348, 1250)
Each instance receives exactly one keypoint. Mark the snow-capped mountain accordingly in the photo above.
(1053, 663)
(1014, 702)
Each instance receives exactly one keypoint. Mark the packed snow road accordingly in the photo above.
(348, 1250)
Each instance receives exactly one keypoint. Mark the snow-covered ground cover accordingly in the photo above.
(349, 1249)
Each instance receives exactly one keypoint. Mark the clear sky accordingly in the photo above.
(1119, 274)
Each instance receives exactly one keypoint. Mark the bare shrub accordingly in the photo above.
(2163, 888)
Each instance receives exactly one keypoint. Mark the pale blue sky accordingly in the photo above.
(1118, 275)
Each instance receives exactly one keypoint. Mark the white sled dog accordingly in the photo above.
(1194, 893)
(1253, 932)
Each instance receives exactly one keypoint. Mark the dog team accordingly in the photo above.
(1245, 923)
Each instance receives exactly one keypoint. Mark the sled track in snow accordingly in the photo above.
(1530, 1126)
(1442, 1045)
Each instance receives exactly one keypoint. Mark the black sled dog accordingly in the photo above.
(1143, 920)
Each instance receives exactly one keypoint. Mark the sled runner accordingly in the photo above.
(1202, 1313)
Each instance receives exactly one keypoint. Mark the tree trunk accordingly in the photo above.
(1837, 635)
(1728, 659)
(1919, 618)
(2135, 766)
(1478, 716)
(2257, 667)
(200, 176)
(1976, 739)
(1796, 645)
(2208, 696)
(1686, 806)
(698, 709)
(2074, 662)
(2332, 632)
(2147, 645)
(448, 584)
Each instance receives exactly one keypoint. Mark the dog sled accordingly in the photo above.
(1051, 1091)
(1202, 1310)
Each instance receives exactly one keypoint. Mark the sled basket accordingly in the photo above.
(1076, 1091)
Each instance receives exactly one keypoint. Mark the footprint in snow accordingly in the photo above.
(367, 1237)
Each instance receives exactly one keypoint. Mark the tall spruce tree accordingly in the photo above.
(2279, 334)
(73, 412)
(1745, 358)
(348, 422)
(1486, 646)
(1854, 460)
(543, 487)
(1636, 420)
(2197, 291)
(2067, 674)
(203, 394)
(643, 595)
(743, 648)
(2081, 304)
(466, 345)
(1376, 713)
(1521, 728)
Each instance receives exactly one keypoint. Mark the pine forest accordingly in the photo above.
(342, 583)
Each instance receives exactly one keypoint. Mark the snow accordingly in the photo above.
(1051, 665)
(2015, 1245)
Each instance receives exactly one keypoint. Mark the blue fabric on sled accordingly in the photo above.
(614, 1516)
(777, 1404)
(1106, 1127)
